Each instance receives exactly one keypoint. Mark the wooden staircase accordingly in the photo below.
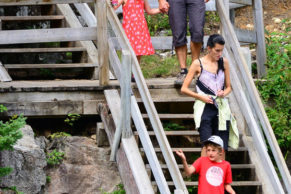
(43, 60)
(245, 179)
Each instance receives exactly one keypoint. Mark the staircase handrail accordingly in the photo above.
(233, 46)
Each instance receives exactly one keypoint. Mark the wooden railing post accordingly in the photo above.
(125, 108)
(102, 41)
(260, 32)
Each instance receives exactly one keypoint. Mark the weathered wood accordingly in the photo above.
(233, 166)
(73, 22)
(102, 41)
(125, 171)
(64, 65)
(145, 95)
(130, 147)
(86, 14)
(125, 87)
(47, 35)
(40, 2)
(32, 18)
(246, 35)
(172, 116)
(261, 55)
(175, 133)
(234, 183)
(245, 2)
(239, 149)
(42, 50)
(4, 76)
(101, 137)
(144, 138)
(233, 45)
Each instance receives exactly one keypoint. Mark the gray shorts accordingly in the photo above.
(179, 9)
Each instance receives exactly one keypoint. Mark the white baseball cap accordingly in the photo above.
(215, 139)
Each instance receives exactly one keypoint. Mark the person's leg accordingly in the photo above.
(196, 11)
(138, 58)
(178, 23)
(224, 135)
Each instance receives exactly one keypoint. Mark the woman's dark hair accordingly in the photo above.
(215, 39)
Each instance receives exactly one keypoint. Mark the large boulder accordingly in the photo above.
(28, 161)
(85, 169)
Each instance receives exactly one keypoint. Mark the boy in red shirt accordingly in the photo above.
(214, 173)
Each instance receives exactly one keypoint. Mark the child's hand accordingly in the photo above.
(181, 154)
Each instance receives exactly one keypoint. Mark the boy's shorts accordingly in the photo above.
(209, 125)
(178, 20)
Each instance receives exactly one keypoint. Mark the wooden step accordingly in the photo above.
(234, 183)
(174, 133)
(42, 50)
(39, 66)
(31, 18)
(171, 116)
(240, 149)
(233, 166)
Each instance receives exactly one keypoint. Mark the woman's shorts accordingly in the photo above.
(179, 9)
(209, 125)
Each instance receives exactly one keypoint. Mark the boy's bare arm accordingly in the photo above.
(188, 169)
(229, 189)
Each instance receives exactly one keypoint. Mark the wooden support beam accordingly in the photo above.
(260, 32)
(4, 76)
(40, 2)
(47, 35)
(102, 42)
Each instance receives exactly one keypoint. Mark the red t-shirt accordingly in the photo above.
(212, 175)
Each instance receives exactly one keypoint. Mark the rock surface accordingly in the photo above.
(85, 169)
(28, 161)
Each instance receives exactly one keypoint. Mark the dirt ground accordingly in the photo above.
(275, 12)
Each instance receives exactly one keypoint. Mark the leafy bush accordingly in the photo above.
(275, 91)
(9, 134)
(172, 126)
(54, 157)
(119, 190)
(72, 118)
(59, 134)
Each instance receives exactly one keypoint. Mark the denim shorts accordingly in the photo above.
(209, 125)
(179, 9)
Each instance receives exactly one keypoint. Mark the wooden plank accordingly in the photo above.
(125, 171)
(172, 116)
(261, 45)
(64, 65)
(47, 35)
(40, 2)
(4, 76)
(239, 149)
(130, 146)
(244, 2)
(234, 183)
(175, 133)
(102, 42)
(86, 14)
(233, 166)
(42, 50)
(246, 35)
(31, 18)
(74, 22)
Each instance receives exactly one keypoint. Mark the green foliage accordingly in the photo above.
(158, 22)
(48, 179)
(119, 190)
(172, 126)
(54, 157)
(275, 91)
(13, 188)
(72, 118)
(5, 171)
(59, 134)
(154, 66)
(2, 108)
